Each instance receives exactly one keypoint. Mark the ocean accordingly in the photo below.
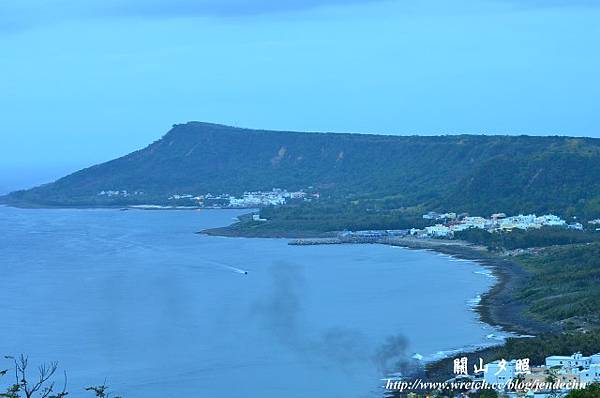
(138, 299)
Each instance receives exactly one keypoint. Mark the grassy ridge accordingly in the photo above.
(378, 173)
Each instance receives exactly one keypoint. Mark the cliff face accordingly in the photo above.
(463, 172)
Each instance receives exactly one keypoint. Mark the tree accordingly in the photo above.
(100, 391)
(592, 391)
(42, 386)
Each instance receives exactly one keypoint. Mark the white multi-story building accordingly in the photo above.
(575, 360)
(521, 222)
(438, 231)
(476, 222)
(591, 374)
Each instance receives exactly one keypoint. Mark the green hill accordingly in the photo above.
(475, 173)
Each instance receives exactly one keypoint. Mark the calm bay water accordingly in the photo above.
(139, 299)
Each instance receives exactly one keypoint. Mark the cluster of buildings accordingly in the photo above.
(123, 193)
(555, 378)
(368, 236)
(274, 197)
(450, 223)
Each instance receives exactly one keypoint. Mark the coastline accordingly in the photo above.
(498, 306)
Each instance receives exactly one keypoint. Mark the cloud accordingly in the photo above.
(552, 3)
(18, 15)
(23, 14)
(547, 3)
(165, 8)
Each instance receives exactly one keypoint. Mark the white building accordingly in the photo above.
(449, 216)
(476, 222)
(521, 222)
(498, 374)
(576, 226)
(572, 361)
(591, 374)
(297, 195)
(460, 227)
(438, 231)
(432, 215)
(551, 220)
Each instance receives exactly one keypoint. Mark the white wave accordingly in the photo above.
(474, 301)
(228, 267)
(487, 273)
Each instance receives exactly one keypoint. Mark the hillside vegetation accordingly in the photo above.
(478, 174)
(564, 285)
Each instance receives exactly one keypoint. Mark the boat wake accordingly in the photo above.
(229, 267)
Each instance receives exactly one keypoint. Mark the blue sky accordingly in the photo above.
(83, 82)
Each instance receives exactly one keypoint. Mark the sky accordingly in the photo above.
(83, 82)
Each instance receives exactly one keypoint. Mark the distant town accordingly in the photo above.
(446, 224)
(254, 199)
(450, 223)
(499, 222)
